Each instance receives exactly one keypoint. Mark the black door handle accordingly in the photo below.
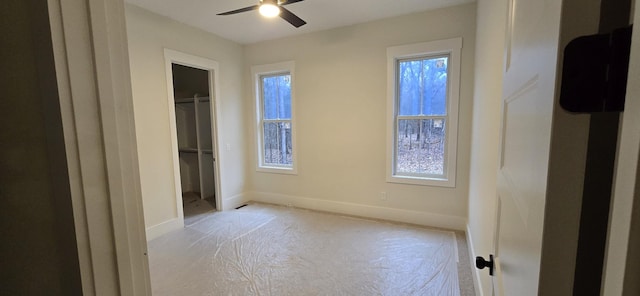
(481, 264)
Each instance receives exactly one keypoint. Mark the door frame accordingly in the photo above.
(625, 192)
(90, 49)
(212, 67)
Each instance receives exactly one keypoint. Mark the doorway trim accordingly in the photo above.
(212, 67)
(96, 105)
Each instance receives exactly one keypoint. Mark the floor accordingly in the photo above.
(195, 208)
(273, 250)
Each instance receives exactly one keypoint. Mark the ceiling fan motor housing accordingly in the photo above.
(274, 2)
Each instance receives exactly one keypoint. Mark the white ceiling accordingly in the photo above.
(250, 27)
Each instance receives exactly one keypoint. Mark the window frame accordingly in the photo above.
(257, 72)
(451, 48)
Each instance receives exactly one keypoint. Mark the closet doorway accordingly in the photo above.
(192, 99)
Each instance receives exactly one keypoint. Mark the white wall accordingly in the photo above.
(341, 99)
(148, 34)
(491, 21)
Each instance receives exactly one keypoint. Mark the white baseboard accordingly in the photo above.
(164, 227)
(234, 201)
(178, 223)
(477, 284)
(391, 214)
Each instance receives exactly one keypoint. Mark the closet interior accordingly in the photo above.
(195, 138)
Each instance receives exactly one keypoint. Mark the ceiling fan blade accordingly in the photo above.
(291, 18)
(250, 8)
(291, 2)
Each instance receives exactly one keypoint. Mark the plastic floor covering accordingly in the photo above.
(272, 250)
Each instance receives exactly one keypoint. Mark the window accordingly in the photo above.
(275, 126)
(423, 83)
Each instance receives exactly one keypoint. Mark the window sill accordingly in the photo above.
(435, 182)
(277, 170)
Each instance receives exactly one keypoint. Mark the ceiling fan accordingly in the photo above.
(273, 8)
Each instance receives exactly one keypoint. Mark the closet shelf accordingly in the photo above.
(188, 150)
(191, 100)
(184, 100)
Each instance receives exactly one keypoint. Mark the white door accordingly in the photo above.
(528, 98)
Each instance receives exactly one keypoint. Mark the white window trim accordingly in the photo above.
(451, 47)
(256, 72)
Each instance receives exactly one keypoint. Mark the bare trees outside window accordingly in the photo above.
(421, 117)
(277, 149)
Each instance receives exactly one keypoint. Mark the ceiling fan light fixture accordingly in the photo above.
(269, 10)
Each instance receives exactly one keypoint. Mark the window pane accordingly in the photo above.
(420, 147)
(409, 89)
(276, 92)
(277, 144)
(422, 86)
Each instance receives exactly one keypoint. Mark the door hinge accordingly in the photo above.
(594, 72)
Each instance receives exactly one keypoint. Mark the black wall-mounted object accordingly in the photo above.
(594, 72)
